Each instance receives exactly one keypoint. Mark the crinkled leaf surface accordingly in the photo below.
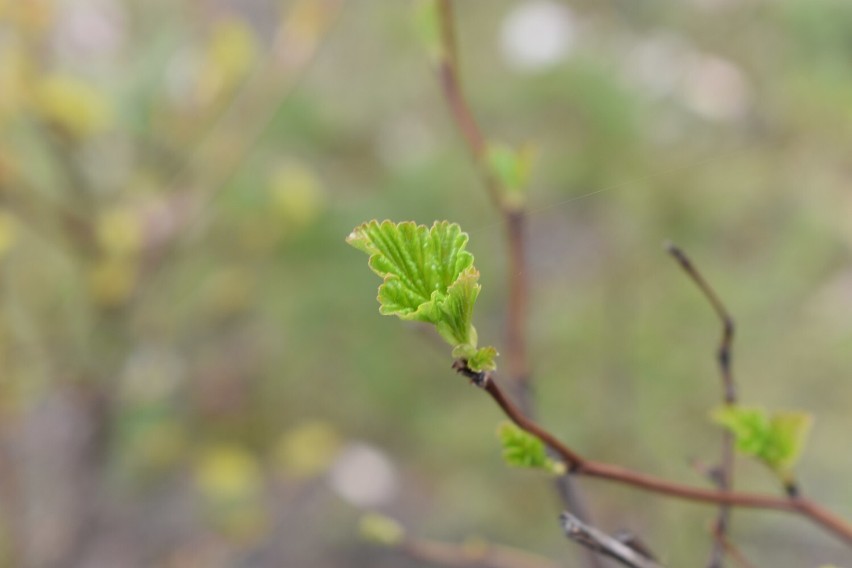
(428, 276)
(521, 449)
(776, 440)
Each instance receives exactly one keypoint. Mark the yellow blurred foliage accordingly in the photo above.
(14, 69)
(226, 473)
(307, 450)
(8, 232)
(230, 53)
(111, 281)
(380, 529)
(296, 194)
(72, 104)
(119, 231)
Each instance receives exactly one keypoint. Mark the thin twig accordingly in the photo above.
(514, 216)
(581, 466)
(724, 477)
(602, 543)
(733, 552)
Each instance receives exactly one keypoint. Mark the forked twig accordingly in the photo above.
(724, 475)
(600, 542)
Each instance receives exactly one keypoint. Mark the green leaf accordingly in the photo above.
(428, 276)
(521, 449)
(777, 440)
(512, 168)
(790, 432)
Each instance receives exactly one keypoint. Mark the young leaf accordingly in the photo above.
(776, 440)
(428, 276)
(521, 449)
(789, 433)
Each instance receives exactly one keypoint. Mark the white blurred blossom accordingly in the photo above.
(716, 89)
(90, 29)
(537, 34)
(658, 63)
(667, 65)
(363, 476)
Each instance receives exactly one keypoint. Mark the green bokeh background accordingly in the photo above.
(179, 305)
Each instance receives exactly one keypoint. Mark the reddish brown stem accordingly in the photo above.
(514, 220)
(581, 466)
(514, 216)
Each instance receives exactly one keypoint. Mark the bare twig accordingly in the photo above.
(733, 552)
(602, 543)
(581, 466)
(724, 475)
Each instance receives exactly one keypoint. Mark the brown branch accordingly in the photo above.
(513, 214)
(724, 477)
(588, 468)
(602, 543)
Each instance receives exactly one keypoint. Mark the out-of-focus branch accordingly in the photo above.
(581, 466)
(724, 474)
(600, 542)
(514, 215)
(240, 125)
(514, 218)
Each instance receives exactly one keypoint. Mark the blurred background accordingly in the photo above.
(194, 370)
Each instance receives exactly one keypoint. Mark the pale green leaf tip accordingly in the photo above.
(777, 440)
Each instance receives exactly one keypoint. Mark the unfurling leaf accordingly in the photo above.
(521, 449)
(777, 440)
(429, 277)
(481, 359)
